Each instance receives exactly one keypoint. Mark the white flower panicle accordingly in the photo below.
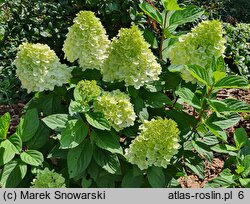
(155, 145)
(116, 108)
(198, 47)
(39, 69)
(86, 41)
(130, 59)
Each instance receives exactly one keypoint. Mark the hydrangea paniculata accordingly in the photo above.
(116, 108)
(88, 90)
(48, 179)
(39, 69)
(86, 41)
(130, 59)
(155, 145)
(204, 42)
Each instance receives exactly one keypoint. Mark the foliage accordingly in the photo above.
(97, 133)
(237, 54)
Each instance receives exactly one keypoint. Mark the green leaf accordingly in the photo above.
(12, 174)
(108, 141)
(56, 122)
(180, 17)
(32, 157)
(232, 82)
(216, 130)
(245, 182)
(224, 148)
(73, 134)
(4, 125)
(218, 106)
(107, 161)
(97, 120)
(240, 138)
(171, 5)
(28, 125)
(157, 100)
(235, 105)
(9, 148)
(226, 179)
(41, 137)
(200, 74)
(226, 121)
(78, 158)
(152, 12)
(189, 97)
(203, 150)
(156, 177)
(132, 181)
(150, 38)
(194, 163)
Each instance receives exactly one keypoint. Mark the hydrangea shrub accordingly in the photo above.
(130, 59)
(116, 108)
(156, 144)
(39, 69)
(204, 42)
(86, 41)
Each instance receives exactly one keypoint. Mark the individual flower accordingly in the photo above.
(39, 69)
(86, 41)
(198, 47)
(116, 108)
(130, 59)
(155, 145)
(87, 90)
(48, 179)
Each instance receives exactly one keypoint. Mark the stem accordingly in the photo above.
(162, 37)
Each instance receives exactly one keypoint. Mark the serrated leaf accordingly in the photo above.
(132, 181)
(226, 121)
(108, 141)
(240, 137)
(28, 125)
(78, 158)
(203, 150)
(171, 5)
(232, 82)
(4, 125)
(188, 14)
(235, 105)
(97, 120)
(245, 182)
(151, 12)
(200, 74)
(107, 161)
(224, 148)
(218, 106)
(13, 173)
(156, 177)
(32, 157)
(216, 130)
(77, 107)
(56, 122)
(189, 97)
(73, 134)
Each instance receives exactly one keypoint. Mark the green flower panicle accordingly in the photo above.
(116, 108)
(204, 42)
(88, 90)
(86, 41)
(130, 59)
(48, 179)
(155, 145)
(39, 69)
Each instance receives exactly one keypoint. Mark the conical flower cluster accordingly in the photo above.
(39, 69)
(88, 90)
(198, 47)
(48, 179)
(86, 41)
(116, 108)
(130, 59)
(156, 144)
